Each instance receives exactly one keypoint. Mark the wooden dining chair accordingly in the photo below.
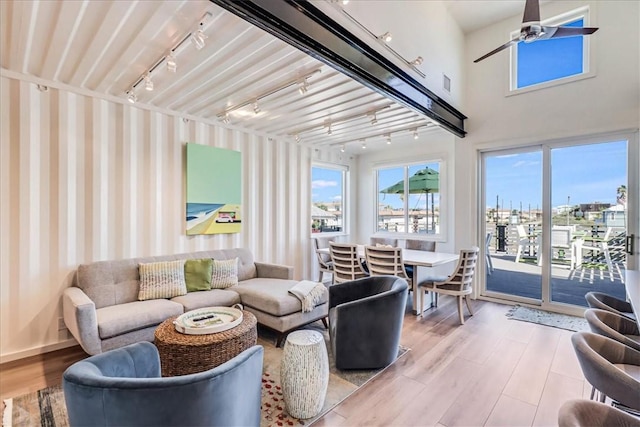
(383, 261)
(325, 265)
(346, 262)
(457, 284)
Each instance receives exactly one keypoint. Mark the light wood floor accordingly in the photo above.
(492, 371)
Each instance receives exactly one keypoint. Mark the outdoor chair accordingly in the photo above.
(123, 387)
(587, 413)
(527, 242)
(610, 303)
(561, 237)
(614, 326)
(383, 261)
(325, 265)
(365, 321)
(610, 367)
(384, 241)
(346, 262)
(487, 244)
(597, 251)
(457, 284)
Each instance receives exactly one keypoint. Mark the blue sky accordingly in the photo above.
(585, 173)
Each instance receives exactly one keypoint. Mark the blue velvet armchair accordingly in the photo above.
(123, 387)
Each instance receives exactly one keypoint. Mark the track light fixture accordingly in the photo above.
(386, 37)
(170, 59)
(388, 136)
(198, 38)
(329, 131)
(342, 147)
(415, 133)
(418, 61)
(374, 119)
(225, 119)
(364, 144)
(255, 100)
(148, 83)
(131, 97)
(303, 86)
(297, 137)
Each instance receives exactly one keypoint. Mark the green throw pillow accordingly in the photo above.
(197, 274)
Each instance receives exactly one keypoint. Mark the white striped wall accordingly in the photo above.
(85, 179)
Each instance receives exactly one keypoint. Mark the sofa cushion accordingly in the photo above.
(122, 318)
(224, 273)
(270, 295)
(212, 298)
(197, 274)
(163, 279)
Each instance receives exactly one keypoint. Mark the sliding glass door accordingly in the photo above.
(557, 219)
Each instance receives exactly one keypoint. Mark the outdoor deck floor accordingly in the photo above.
(567, 286)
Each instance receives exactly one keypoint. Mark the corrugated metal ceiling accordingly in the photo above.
(106, 46)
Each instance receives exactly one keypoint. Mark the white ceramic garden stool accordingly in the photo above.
(304, 373)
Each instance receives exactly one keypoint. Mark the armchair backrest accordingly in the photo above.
(383, 261)
(463, 274)
(346, 262)
(597, 355)
(420, 245)
(123, 387)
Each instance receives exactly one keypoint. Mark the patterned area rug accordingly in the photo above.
(47, 408)
(562, 321)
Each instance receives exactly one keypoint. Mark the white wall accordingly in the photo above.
(85, 179)
(607, 102)
(437, 144)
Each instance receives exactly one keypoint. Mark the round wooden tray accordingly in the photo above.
(208, 320)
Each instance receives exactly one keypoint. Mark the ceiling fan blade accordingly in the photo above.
(504, 46)
(531, 12)
(558, 32)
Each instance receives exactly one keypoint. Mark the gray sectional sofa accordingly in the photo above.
(102, 310)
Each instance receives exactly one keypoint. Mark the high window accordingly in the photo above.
(553, 61)
(328, 189)
(409, 199)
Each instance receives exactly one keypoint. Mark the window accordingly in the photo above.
(328, 185)
(552, 60)
(417, 213)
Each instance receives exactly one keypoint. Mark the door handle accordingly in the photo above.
(628, 247)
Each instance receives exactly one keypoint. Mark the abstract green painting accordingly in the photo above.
(214, 190)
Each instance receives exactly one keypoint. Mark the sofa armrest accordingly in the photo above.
(80, 317)
(274, 271)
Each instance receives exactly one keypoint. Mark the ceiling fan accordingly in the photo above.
(531, 30)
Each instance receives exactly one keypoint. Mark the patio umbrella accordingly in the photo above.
(425, 181)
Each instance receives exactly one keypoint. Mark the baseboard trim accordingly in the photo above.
(10, 357)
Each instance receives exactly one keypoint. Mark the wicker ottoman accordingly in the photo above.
(182, 354)
(304, 373)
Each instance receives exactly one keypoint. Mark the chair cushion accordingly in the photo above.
(212, 298)
(122, 318)
(271, 296)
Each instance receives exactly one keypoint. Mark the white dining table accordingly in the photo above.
(415, 258)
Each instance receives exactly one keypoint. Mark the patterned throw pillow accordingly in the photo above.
(161, 280)
(225, 273)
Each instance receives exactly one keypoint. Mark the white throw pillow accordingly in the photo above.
(161, 280)
(225, 273)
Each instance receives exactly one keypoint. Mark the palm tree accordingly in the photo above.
(621, 195)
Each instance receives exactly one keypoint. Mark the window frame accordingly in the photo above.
(442, 200)
(345, 197)
(588, 68)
